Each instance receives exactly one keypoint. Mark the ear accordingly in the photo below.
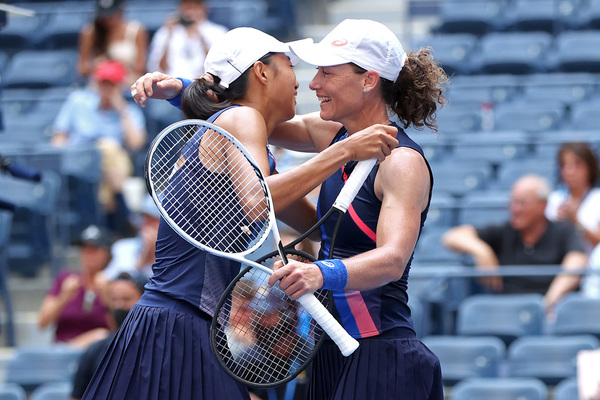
(371, 78)
(261, 72)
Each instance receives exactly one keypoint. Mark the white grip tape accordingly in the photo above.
(353, 185)
(346, 343)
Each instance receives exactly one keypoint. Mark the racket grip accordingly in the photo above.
(346, 343)
(353, 184)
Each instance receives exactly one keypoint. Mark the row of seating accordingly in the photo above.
(513, 388)
(515, 52)
(56, 25)
(483, 16)
(548, 358)
(47, 391)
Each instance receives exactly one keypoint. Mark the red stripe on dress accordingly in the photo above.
(361, 225)
(360, 311)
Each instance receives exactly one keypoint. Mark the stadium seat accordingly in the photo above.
(61, 31)
(508, 173)
(452, 51)
(530, 116)
(585, 116)
(429, 249)
(459, 119)
(578, 51)
(503, 87)
(515, 53)
(20, 33)
(53, 391)
(495, 147)
(577, 314)
(12, 391)
(566, 390)
(33, 366)
(570, 88)
(420, 316)
(463, 358)
(442, 211)
(458, 179)
(5, 229)
(500, 389)
(540, 15)
(506, 316)
(236, 13)
(472, 16)
(546, 357)
(486, 207)
(39, 69)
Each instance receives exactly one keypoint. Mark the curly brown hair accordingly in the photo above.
(419, 90)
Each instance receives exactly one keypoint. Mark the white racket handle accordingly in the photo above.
(353, 185)
(336, 332)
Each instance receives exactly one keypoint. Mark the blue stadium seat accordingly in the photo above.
(566, 390)
(463, 358)
(12, 391)
(540, 15)
(435, 145)
(585, 115)
(481, 208)
(459, 119)
(442, 211)
(577, 314)
(570, 88)
(38, 69)
(500, 389)
(61, 31)
(420, 316)
(472, 16)
(20, 33)
(53, 391)
(508, 173)
(530, 116)
(506, 316)
(5, 230)
(495, 147)
(151, 17)
(34, 366)
(458, 179)
(429, 249)
(503, 87)
(578, 51)
(588, 16)
(515, 53)
(546, 357)
(236, 13)
(452, 51)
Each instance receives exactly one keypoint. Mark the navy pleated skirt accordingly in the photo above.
(163, 353)
(381, 368)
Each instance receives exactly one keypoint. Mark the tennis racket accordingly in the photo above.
(209, 189)
(260, 336)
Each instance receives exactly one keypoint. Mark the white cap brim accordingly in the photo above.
(316, 53)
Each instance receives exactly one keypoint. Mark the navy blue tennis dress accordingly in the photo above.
(162, 351)
(390, 363)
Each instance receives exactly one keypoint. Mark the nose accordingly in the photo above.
(314, 84)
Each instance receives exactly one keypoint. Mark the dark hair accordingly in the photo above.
(198, 99)
(138, 279)
(418, 90)
(100, 37)
(584, 152)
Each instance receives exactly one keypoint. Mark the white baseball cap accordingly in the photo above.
(368, 44)
(237, 50)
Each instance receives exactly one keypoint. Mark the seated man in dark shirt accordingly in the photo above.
(527, 239)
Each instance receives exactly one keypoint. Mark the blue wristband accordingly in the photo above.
(176, 101)
(335, 274)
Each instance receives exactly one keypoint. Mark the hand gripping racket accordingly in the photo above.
(209, 189)
(260, 336)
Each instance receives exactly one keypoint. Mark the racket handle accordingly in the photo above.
(330, 325)
(353, 184)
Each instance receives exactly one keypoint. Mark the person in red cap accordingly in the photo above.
(99, 115)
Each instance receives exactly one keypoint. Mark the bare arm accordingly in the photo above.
(86, 64)
(403, 183)
(464, 239)
(52, 306)
(141, 43)
(307, 133)
(565, 283)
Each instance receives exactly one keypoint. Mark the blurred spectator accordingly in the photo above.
(577, 200)
(137, 253)
(123, 293)
(99, 114)
(74, 304)
(180, 46)
(527, 239)
(112, 37)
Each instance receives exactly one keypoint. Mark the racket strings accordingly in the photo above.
(210, 189)
(264, 337)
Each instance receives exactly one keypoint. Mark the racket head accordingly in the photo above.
(209, 188)
(260, 336)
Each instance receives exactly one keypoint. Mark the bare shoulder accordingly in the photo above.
(405, 170)
(244, 123)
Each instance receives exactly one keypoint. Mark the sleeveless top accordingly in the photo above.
(185, 272)
(370, 312)
(125, 50)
